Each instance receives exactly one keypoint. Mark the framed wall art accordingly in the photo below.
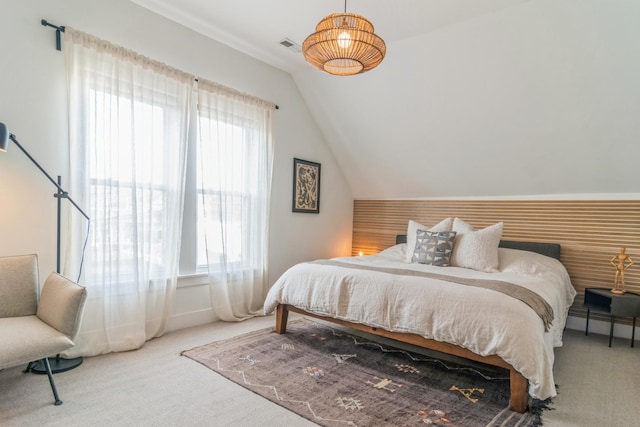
(306, 186)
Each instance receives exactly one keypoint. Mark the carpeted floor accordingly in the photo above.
(155, 386)
(335, 379)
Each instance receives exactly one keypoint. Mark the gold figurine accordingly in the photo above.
(621, 262)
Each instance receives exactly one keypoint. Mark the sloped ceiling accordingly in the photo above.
(474, 98)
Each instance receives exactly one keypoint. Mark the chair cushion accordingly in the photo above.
(27, 338)
(61, 304)
(18, 285)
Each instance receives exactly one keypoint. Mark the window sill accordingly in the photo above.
(190, 280)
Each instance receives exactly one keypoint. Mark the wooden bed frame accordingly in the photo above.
(518, 384)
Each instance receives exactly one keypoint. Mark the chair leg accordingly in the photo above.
(53, 385)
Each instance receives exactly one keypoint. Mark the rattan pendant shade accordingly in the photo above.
(344, 44)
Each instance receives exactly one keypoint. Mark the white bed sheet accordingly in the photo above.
(484, 321)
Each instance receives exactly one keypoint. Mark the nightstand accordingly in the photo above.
(601, 300)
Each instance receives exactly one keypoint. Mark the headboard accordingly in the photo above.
(591, 232)
(549, 249)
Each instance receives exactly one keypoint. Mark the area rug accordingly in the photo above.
(334, 378)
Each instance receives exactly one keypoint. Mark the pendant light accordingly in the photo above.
(344, 44)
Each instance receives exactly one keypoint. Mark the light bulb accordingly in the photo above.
(344, 40)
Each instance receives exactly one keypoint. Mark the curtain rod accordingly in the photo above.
(60, 28)
(276, 106)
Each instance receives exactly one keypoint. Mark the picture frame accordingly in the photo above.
(306, 186)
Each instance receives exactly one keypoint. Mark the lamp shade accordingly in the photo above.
(344, 44)
(4, 137)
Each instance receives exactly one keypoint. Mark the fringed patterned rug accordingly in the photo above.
(336, 379)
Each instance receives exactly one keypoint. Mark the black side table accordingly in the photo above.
(601, 300)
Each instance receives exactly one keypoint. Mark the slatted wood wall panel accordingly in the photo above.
(590, 232)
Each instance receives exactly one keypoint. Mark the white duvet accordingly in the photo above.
(484, 321)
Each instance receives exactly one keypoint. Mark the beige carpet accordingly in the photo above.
(155, 386)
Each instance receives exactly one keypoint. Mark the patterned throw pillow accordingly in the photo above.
(413, 227)
(433, 247)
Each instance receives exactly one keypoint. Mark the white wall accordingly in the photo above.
(545, 93)
(33, 105)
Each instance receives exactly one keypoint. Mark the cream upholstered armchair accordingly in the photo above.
(31, 330)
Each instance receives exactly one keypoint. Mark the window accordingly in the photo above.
(228, 186)
(128, 187)
(128, 184)
(140, 169)
(220, 141)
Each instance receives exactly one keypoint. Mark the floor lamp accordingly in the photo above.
(57, 363)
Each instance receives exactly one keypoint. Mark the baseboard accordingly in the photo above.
(187, 320)
(600, 327)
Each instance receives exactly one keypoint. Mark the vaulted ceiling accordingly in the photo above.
(474, 98)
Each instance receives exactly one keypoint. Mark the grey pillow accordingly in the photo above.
(433, 247)
(413, 227)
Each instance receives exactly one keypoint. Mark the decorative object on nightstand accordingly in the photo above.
(602, 300)
(621, 262)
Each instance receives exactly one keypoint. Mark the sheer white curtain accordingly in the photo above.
(128, 126)
(235, 157)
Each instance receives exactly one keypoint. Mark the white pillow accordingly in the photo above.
(528, 263)
(476, 249)
(412, 229)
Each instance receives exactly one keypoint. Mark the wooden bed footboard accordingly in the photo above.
(518, 383)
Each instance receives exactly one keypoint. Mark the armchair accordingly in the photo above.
(31, 330)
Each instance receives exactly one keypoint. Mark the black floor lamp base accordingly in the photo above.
(58, 364)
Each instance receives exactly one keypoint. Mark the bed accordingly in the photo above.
(445, 309)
